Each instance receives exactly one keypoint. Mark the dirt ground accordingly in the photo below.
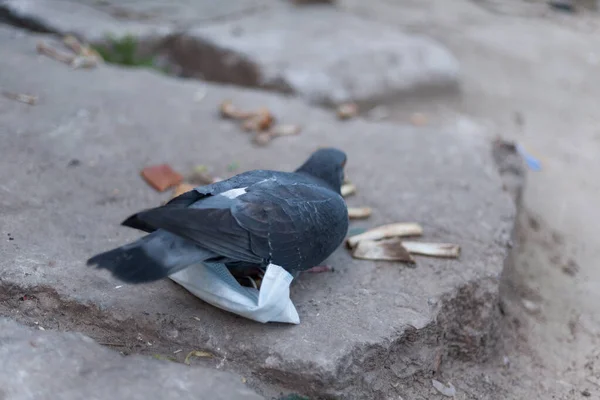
(530, 74)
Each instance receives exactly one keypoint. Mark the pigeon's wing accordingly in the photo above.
(268, 221)
(296, 225)
(186, 199)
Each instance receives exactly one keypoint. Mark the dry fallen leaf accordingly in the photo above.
(55, 54)
(84, 62)
(348, 189)
(74, 44)
(382, 250)
(259, 122)
(161, 177)
(265, 119)
(181, 189)
(262, 138)
(386, 231)
(359, 212)
(443, 250)
(347, 110)
(251, 124)
(228, 110)
(196, 353)
(285, 130)
(418, 119)
(23, 98)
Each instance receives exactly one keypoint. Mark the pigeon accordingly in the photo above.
(292, 219)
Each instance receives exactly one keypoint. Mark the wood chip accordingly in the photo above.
(55, 54)
(347, 110)
(161, 177)
(348, 189)
(382, 250)
(359, 212)
(23, 98)
(442, 250)
(386, 231)
(181, 189)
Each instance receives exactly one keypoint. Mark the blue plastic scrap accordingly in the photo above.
(532, 162)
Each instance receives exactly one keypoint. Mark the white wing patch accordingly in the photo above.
(233, 193)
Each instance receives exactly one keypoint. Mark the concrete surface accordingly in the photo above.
(347, 59)
(40, 365)
(368, 329)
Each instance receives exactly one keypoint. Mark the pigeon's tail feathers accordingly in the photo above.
(153, 257)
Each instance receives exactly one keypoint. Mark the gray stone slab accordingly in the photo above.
(332, 57)
(94, 19)
(40, 365)
(363, 327)
(325, 55)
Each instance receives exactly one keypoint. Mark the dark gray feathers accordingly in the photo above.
(295, 220)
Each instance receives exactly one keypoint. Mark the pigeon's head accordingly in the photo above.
(328, 165)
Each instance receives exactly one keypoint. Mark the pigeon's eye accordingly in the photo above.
(344, 163)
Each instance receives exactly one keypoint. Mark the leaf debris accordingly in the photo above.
(197, 353)
(348, 189)
(20, 97)
(382, 250)
(359, 212)
(347, 110)
(442, 250)
(84, 57)
(261, 122)
(386, 231)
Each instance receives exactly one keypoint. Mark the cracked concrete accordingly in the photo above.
(362, 328)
